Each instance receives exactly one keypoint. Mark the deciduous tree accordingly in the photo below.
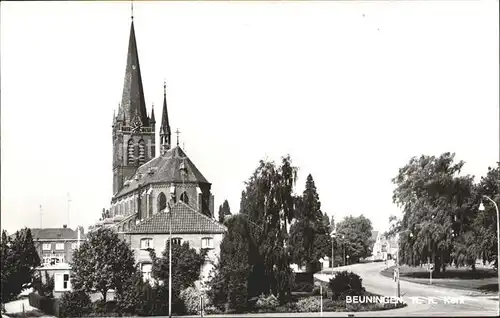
(437, 208)
(269, 206)
(354, 235)
(103, 262)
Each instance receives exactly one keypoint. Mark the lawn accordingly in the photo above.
(482, 279)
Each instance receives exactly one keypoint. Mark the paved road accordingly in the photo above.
(474, 304)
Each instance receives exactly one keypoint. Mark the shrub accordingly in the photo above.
(309, 304)
(105, 308)
(303, 287)
(264, 302)
(47, 305)
(345, 284)
(191, 298)
(44, 288)
(317, 291)
(212, 310)
(75, 304)
(305, 277)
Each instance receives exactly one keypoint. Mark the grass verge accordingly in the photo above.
(480, 280)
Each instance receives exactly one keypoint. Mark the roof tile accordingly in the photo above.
(185, 220)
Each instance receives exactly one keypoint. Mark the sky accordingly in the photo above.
(351, 90)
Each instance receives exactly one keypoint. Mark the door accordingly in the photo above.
(58, 282)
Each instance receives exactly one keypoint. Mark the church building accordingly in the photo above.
(146, 187)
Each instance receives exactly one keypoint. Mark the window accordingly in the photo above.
(207, 242)
(146, 243)
(184, 198)
(52, 259)
(46, 260)
(60, 246)
(162, 201)
(66, 281)
(146, 271)
(47, 246)
(142, 152)
(73, 246)
(131, 153)
(176, 241)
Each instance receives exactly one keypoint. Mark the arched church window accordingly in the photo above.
(184, 197)
(162, 201)
(130, 152)
(142, 152)
(125, 227)
(150, 208)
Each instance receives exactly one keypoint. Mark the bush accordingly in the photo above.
(44, 288)
(105, 308)
(317, 291)
(47, 305)
(303, 287)
(75, 304)
(345, 284)
(309, 304)
(191, 298)
(307, 278)
(264, 302)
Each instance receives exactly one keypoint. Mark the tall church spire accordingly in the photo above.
(165, 133)
(133, 94)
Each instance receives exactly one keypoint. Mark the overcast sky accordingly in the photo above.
(351, 90)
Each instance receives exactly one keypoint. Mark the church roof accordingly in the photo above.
(133, 102)
(185, 220)
(165, 168)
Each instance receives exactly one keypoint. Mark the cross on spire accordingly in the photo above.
(177, 132)
(132, 9)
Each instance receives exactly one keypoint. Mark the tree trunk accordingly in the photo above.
(104, 295)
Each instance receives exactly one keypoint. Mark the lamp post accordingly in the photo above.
(481, 208)
(397, 263)
(333, 257)
(343, 247)
(169, 211)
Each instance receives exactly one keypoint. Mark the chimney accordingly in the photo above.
(65, 226)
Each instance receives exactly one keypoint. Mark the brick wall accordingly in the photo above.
(159, 243)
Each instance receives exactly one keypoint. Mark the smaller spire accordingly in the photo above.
(153, 113)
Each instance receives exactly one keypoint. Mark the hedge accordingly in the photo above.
(48, 305)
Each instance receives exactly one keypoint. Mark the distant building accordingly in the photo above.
(55, 245)
(384, 247)
(62, 277)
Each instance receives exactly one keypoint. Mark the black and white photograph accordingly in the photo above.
(250, 158)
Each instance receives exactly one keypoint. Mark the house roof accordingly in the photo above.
(165, 168)
(185, 220)
(54, 234)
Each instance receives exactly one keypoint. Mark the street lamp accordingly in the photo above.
(333, 238)
(481, 208)
(343, 247)
(397, 262)
(169, 211)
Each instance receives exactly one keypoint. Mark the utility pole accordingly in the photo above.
(67, 216)
(41, 213)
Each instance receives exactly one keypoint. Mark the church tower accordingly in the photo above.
(133, 129)
(165, 133)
